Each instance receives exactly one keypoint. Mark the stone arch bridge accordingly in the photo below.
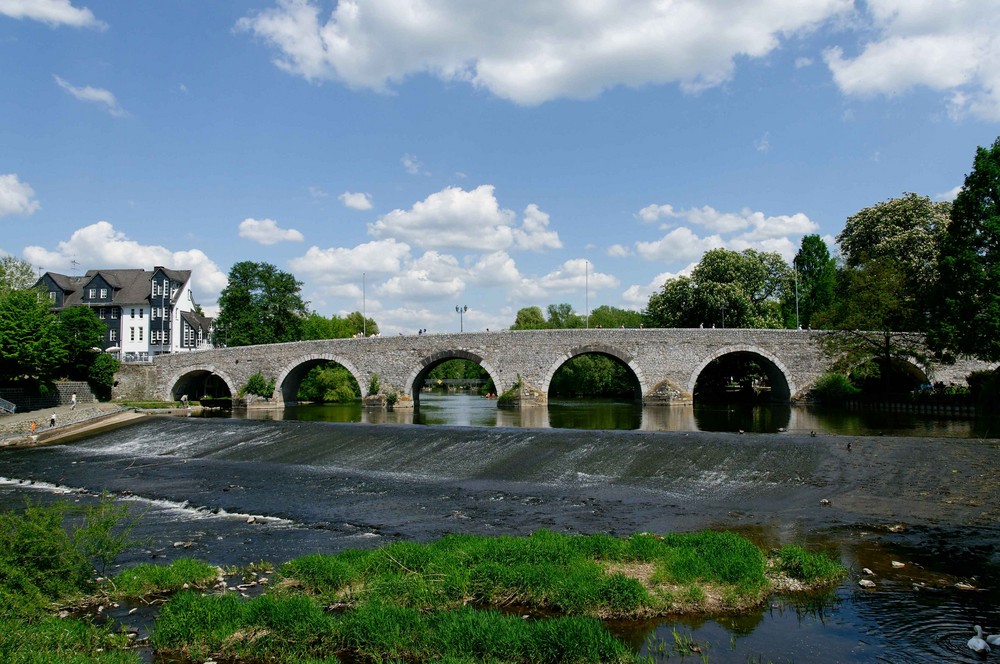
(666, 363)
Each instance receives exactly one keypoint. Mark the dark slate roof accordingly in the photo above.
(131, 286)
(196, 321)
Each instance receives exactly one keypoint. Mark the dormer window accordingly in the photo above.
(92, 293)
(104, 293)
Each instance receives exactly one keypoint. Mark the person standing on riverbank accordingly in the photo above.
(72, 402)
(52, 420)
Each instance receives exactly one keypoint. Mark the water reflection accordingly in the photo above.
(472, 410)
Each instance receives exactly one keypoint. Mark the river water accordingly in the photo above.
(326, 486)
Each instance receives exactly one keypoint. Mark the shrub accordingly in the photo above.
(811, 568)
(259, 386)
(834, 387)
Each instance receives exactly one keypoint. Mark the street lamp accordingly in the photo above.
(461, 309)
(364, 306)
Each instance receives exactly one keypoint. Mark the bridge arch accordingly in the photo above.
(291, 375)
(782, 384)
(187, 380)
(597, 349)
(426, 364)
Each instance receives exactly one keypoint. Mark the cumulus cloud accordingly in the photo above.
(16, 197)
(529, 52)
(574, 275)
(266, 231)
(460, 219)
(343, 264)
(679, 245)
(356, 201)
(949, 195)
(100, 246)
(619, 251)
(494, 269)
(430, 277)
(947, 46)
(53, 12)
(636, 296)
(98, 96)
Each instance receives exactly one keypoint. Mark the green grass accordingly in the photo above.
(146, 579)
(810, 568)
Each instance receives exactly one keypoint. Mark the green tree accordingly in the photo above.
(316, 326)
(726, 289)
(966, 318)
(15, 274)
(30, 345)
(529, 318)
(561, 317)
(907, 232)
(101, 375)
(607, 316)
(261, 305)
(81, 332)
(815, 278)
(329, 383)
(593, 375)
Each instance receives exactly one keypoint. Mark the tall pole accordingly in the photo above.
(364, 307)
(586, 278)
(461, 309)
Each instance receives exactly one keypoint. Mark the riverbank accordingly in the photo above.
(71, 423)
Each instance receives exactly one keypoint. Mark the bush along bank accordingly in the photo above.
(462, 598)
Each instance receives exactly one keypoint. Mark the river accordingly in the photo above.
(930, 503)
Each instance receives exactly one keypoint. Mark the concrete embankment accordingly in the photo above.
(71, 423)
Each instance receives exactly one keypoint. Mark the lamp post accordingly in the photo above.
(364, 307)
(795, 268)
(586, 277)
(461, 309)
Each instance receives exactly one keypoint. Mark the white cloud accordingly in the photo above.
(949, 195)
(782, 225)
(531, 52)
(343, 265)
(53, 12)
(356, 201)
(96, 95)
(574, 275)
(456, 218)
(412, 165)
(947, 46)
(533, 233)
(619, 251)
(16, 197)
(430, 277)
(266, 231)
(100, 246)
(654, 212)
(763, 144)
(495, 269)
(679, 245)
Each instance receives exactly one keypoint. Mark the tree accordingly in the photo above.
(906, 231)
(101, 374)
(561, 317)
(607, 316)
(529, 318)
(81, 332)
(30, 346)
(315, 326)
(966, 317)
(726, 289)
(815, 276)
(15, 274)
(261, 305)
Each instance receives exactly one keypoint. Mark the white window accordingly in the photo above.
(112, 335)
(114, 313)
(93, 293)
(102, 313)
(132, 334)
(104, 293)
(52, 295)
(156, 288)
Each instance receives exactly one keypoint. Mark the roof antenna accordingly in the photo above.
(74, 264)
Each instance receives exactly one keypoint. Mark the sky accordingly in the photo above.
(406, 157)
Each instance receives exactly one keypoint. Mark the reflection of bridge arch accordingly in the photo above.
(413, 382)
(597, 349)
(189, 379)
(782, 385)
(290, 377)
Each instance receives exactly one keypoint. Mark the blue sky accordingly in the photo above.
(472, 152)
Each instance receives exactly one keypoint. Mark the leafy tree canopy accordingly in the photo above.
(316, 326)
(30, 345)
(726, 289)
(529, 318)
(81, 332)
(815, 275)
(15, 274)
(261, 305)
(905, 230)
(966, 319)
(606, 316)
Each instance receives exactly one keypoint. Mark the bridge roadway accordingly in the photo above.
(666, 363)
